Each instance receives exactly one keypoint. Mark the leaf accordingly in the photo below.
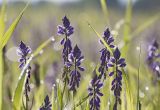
(44, 44)
(101, 38)
(2, 28)
(20, 87)
(54, 105)
(145, 25)
(1, 76)
(2, 19)
(11, 29)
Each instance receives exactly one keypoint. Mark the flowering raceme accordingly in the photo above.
(23, 51)
(47, 104)
(75, 59)
(94, 93)
(152, 58)
(105, 54)
(117, 63)
(67, 30)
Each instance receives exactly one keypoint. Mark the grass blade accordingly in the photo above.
(145, 25)
(101, 38)
(2, 19)
(1, 77)
(44, 44)
(11, 29)
(2, 28)
(20, 87)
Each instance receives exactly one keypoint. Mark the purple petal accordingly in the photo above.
(117, 54)
(81, 68)
(111, 73)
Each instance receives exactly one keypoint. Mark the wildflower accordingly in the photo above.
(23, 51)
(67, 30)
(105, 54)
(116, 63)
(75, 59)
(153, 56)
(47, 104)
(94, 93)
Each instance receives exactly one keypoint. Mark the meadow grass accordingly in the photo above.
(138, 90)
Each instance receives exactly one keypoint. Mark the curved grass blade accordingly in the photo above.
(2, 28)
(101, 38)
(22, 78)
(2, 19)
(38, 50)
(11, 29)
(145, 25)
(20, 87)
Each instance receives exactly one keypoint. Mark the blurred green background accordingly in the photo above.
(40, 22)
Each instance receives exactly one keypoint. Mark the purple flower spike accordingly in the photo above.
(75, 59)
(66, 29)
(105, 54)
(47, 104)
(152, 58)
(116, 62)
(23, 51)
(94, 93)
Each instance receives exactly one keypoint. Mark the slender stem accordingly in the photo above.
(26, 94)
(139, 64)
(65, 79)
(82, 101)
(116, 82)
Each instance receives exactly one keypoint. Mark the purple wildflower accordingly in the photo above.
(75, 59)
(65, 29)
(117, 63)
(153, 56)
(23, 51)
(105, 54)
(94, 93)
(47, 104)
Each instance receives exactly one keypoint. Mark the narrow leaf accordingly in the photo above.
(20, 87)
(101, 38)
(11, 29)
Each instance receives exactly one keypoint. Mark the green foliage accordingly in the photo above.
(80, 100)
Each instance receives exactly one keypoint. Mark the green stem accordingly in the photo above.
(139, 64)
(82, 101)
(1, 77)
